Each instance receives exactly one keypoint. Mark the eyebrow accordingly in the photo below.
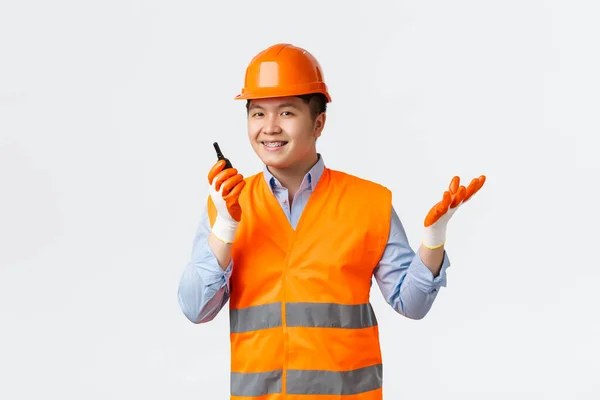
(282, 105)
(288, 105)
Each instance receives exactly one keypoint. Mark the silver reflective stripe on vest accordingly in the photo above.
(254, 318)
(329, 315)
(255, 384)
(308, 382)
(310, 315)
(330, 382)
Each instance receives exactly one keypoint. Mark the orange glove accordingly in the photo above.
(437, 219)
(225, 188)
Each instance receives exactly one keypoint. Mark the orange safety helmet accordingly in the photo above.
(283, 70)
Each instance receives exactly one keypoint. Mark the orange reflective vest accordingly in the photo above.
(302, 326)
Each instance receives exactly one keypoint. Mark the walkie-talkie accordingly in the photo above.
(220, 156)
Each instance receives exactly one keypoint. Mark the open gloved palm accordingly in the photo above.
(437, 218)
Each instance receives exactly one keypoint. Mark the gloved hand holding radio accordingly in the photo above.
(226, 184)
(437, 219)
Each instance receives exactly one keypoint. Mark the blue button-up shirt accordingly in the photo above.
(406, 283)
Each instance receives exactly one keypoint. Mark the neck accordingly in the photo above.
(291, 177)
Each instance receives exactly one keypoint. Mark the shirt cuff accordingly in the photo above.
(423, 276)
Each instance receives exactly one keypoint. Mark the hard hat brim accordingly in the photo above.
(265, 93)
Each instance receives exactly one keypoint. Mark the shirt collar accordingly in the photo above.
(312, 176)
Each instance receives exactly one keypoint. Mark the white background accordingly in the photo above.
(108, 111)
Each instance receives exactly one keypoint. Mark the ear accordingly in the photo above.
(319, 124)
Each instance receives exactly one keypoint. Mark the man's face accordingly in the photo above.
(282, 131)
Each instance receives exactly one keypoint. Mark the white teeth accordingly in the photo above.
(273, 144)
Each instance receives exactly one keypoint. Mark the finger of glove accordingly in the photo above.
(446, 199)
(230, 184)
(459, 196)
(474, 187)
(223, 176)
(454, 185)
(216, 168)
(234, 193)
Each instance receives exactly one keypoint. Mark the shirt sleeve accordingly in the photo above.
(204, 285)
(405, 282)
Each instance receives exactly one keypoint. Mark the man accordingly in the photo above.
(294, 248)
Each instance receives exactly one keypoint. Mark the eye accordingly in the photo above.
(287, 113)
(257, 114)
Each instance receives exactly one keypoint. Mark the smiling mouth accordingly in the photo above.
(274, 144)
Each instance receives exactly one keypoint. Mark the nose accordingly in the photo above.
(271, 125)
